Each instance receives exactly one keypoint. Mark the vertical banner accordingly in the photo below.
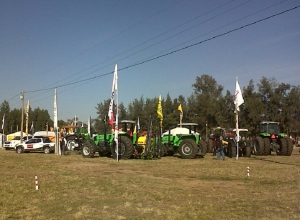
(117, 111)
(3, 119)
(89, 127)
(55, 111)
(159, 111)
(32, 128)
(160, 115)
(57, 142)
(27, 118)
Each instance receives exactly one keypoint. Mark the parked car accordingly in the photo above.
(36, 144)
(8, 145)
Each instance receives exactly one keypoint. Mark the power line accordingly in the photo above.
(76, 80)
(108, 39)
(174, 51)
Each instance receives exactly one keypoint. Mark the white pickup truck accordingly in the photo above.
(15, 141)
(36, 144)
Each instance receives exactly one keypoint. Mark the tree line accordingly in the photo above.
(209, 106)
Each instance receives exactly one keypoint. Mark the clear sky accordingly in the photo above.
(73, 45)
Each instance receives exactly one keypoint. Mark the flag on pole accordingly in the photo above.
(55, 111)
(238, 97)
(137, 126)
(180, 108)
(111, 104)
(181, 114)
(27, 118)
(3, 119)
(159, 111)
(138, 123)
(115, 87)
(32, 128)
(89, 126)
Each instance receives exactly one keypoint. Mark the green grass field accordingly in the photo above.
(73, 187)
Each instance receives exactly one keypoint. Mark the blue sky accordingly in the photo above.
(47, 44)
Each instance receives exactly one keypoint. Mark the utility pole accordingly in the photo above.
(22, 98)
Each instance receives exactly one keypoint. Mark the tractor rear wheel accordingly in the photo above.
(259, 145)
(87, 150)
(203, 146)
(283, 146)
(188, 149)
(289, 146)
(267, 150)
(233, 152)
(125, 148)
(247, 151)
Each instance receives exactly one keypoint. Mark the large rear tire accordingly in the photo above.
(233, 152)
(283, 146)
(289, 146)
(188, 149)
(125, 148)
(203, 146)
(247, 151)
(267, 146)
(259, 145)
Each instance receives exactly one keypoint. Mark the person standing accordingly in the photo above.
(220, 148)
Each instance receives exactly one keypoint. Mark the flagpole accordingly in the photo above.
(2, 137)
(237, 133)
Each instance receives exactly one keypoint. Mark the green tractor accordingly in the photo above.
(74, 137)
(105, 143)
(183, 140)
(271, 139)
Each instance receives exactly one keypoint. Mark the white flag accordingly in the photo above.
(55, 111)
(115, 83)
(113, 88)
(3, 119)
(238, 97)
(138, 123)
(32, 128)
(89, 126)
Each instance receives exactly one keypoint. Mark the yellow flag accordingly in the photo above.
(159, 111)
(180, 108)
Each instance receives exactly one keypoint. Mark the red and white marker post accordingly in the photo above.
(36, 183)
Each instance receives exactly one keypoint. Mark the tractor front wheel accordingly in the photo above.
(87, 150)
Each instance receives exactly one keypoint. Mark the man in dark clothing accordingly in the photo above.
(220, 148)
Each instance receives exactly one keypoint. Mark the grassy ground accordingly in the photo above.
(73, 187)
